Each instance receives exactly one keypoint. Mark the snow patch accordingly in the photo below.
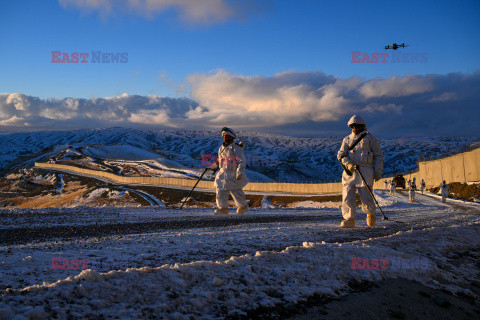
(98, 192)
(314, 204)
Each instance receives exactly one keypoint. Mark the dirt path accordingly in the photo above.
(427, 199)
(53, 201)
(25, 235)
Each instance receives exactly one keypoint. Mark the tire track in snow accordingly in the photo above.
(25, 235)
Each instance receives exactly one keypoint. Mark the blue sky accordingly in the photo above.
(168, 47)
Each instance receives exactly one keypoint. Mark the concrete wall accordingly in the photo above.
(464, 167)
(302, 188)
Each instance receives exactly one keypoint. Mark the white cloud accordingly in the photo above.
(19, 110)
(14, 121)
(154, 117)
(258, 101)
(396, 86)
(296, 99)
(19, 101)
(189, 11)
(289, 101)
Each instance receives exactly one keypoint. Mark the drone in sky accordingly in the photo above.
(396, 46)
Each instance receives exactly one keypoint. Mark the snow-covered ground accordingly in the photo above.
(191, 264)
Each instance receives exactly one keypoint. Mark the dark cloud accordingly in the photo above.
(291, 103)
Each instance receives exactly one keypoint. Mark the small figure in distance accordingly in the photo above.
(422, 186)
(392, 187)
(411, 193)
(444, 190)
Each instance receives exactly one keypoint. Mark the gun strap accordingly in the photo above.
(350, 148)
(357, 141)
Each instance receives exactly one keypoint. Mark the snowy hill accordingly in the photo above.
(269, 157)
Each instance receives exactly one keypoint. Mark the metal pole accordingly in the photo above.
(193, 188)
(371, 193)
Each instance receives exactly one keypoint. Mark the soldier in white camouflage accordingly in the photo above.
(231, 177)
(366, 156)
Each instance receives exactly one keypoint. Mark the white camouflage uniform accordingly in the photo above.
(411, 193)
(367, 153)
(444, 190)
(231, 161)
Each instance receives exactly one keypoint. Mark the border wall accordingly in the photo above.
(463, 167)
(302, 188)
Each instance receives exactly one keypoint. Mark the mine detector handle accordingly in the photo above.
(373, 196)
(204, 171)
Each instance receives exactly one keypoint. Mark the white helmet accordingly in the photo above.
(229, 132)
(357, 120)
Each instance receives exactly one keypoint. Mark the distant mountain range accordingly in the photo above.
(269, 157)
